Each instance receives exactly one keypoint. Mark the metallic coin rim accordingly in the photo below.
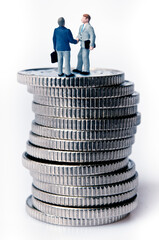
(92, 191)
(82, 113)
(25, 77)
(89, 124)
(66, 145)
(113, 102)
(72, 169)
(82, 135)
(76, 156)
(87, 212)
(81, 201)
(33, 212)
(123, 89)
(89, 180)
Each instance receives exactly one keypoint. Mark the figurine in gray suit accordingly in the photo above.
(86, 36)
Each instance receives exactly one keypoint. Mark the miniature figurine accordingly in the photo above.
(61, 38)
(87, 37)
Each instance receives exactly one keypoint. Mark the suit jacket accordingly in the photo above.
(86, 34)
(62, 38)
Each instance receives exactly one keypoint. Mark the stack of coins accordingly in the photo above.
(79, 146)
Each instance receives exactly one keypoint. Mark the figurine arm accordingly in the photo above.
(92, 37)
(70, 38)
(54, 40)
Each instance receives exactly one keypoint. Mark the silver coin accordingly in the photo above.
(91, 180)
(81, 201)
(83, 113)
(89, 191)
(33, 212)
(48, 77)
(124, 89)
(89, 124)
(70, 169)
(86, 213)
(111, 102)
(82, 135)
(100, 145)
(76, 156)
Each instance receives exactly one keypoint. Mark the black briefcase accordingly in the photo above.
(54, 57)
(87, 44)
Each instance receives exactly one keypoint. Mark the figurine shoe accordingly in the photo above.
(76, 71)
(70, 75)
(85, 73)
(61, 75)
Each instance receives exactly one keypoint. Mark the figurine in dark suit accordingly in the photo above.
(87, 37)
(62, 38)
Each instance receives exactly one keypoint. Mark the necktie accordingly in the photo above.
(82, 28)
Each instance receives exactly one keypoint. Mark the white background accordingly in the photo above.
(127, 39)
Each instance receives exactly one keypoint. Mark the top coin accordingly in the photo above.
(48, 77)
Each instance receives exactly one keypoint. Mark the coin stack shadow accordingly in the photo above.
(79, 146)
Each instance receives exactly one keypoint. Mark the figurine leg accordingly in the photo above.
(67, 62)
(85, 57)
(80, 61)
(60, 62)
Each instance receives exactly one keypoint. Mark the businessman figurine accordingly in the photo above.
(87, 37)
(62, 38)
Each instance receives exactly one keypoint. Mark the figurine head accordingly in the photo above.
(61, 22)
(86, 18)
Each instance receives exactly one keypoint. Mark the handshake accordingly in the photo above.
(86, 44)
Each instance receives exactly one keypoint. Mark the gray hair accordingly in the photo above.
(61, 21)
